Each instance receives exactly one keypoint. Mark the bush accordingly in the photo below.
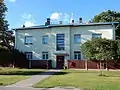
(10, 58)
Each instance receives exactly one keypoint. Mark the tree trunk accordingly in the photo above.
(86, 64)
(101, 72)
(107, 66)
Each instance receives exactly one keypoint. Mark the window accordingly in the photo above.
(77, 38)
(28, 40)
(77, 55)
(44, 55)
(45, 39)
(60, 42)
(96, 35)
(28, 55)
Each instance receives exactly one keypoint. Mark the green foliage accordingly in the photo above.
(107, 16)
(100, 49)
(12, 58)
(5, 36)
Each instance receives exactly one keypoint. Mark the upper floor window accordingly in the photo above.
(28, 40)
(77, 38)
(44, 55)
(77, 55)
(45, 39)
(96, 35)
(60, 42)
(28, 55)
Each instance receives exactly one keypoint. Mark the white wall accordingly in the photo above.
(86, 34)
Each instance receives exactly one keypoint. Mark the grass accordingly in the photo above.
(11, 76)
(87, 80)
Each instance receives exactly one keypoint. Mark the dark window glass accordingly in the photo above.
(28, 55)
(77, 55)
(77, 38)
(28, 40)
(96, 35)
(44, 55)
(45, 39)
(60, 42)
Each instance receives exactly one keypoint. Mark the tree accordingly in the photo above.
(100, 49)
(5, 35)
(109, 16)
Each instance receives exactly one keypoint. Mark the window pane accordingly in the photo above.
(77, 38)
(28, 39)
(60, 41)
(96, 35)
(28, 55)
(45, 39)
(45, 55)
(77, 55)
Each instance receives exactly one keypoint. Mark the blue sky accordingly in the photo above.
(35, 12)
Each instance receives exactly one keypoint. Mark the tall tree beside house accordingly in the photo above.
(109, 16)
(5, 35)
(101, 50)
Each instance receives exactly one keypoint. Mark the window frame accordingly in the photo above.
(46, 55)
(99, 34)
(77, 54)
(44, 39)
(29, 55)
(75, 41)
(60, 42)
(25, 40)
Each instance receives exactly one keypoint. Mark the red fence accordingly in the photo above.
(81, 64)
(41, 64)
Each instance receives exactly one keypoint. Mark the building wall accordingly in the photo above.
(37, 48)
(86, 34)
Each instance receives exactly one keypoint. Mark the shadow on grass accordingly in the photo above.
(32, 73)
(21, 73)
(54, 73)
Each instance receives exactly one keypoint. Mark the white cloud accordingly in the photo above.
(12, 1)
(26, 16)
(28, 20)
(28, 24)
(55, 16)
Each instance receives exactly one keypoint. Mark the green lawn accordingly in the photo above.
(88, 80)
(10, 76)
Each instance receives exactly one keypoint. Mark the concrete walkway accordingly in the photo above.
(30, 88)
(33, 79)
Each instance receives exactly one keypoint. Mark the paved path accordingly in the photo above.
(30, 88)
(33, 79)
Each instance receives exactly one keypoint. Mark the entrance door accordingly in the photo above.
(60, 62)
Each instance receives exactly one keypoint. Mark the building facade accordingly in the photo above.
(59, 43)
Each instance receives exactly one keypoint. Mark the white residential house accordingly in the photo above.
(60, 42)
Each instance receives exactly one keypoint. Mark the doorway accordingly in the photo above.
(60, 62)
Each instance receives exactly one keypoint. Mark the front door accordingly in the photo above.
(60, 62)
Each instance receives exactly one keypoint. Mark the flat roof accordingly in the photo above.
(67, 25)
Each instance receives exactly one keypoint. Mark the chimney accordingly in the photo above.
(72, 21)
(60, 22)
(23, 26)
(80, 20)
(47, 22)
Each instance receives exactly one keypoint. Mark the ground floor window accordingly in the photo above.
(77, 55)
(28, 55)
(44, 55)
